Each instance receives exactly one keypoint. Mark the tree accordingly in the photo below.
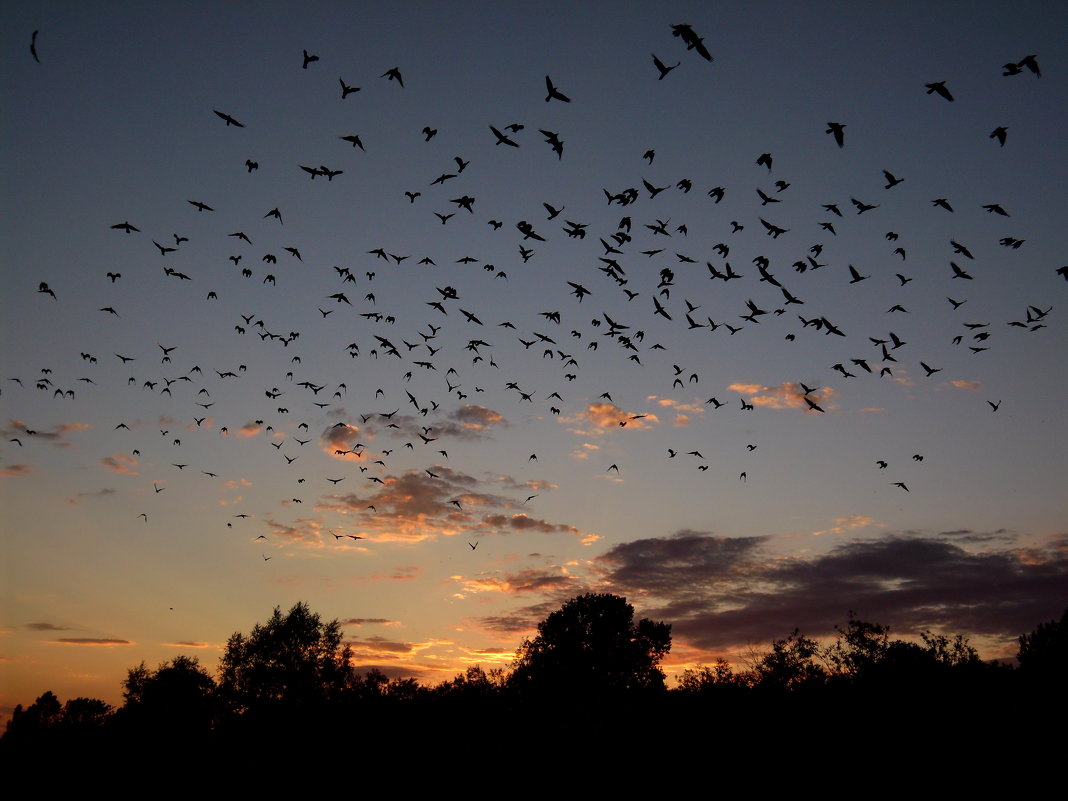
(292, 662)
(790, 664)
(591, 645)
(179, 697)
(718, 678)
(1043, 653)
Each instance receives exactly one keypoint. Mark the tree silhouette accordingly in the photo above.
(592, 646)
(178, 698)
(292, 662)
(1043, 654)
(791, 664)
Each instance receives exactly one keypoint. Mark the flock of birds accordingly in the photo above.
(447, 356)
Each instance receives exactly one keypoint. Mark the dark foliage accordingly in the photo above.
(592, 646)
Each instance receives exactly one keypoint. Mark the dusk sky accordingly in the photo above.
(437, 409)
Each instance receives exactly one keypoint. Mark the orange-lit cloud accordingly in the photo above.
(16, 470)
(120, 463)
(520, 522)
(17, 429)
(786, 395)
(249, 430)
(187, 644)
(844, 524)
(584, 450)
(477, 418)
(417, 506)
(367, 621)
(305, 530)
(684, 412)
(974, 386)
(519, 583)
(607, 417)
(90, 641)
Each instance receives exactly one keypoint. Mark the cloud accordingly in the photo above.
(46, 627)
(974, 386)
(476, 418)
(533, 580)
(686, 563)
(16, 470)
(522, 522)
(380, 645)
(57, 434)
(90, 641)
(607, 417)
(537, 484)
(721, 593)
(187, 644)
(684, 412)
(306, 530)
(103, 493)
(844, 524)
(249, 430)
(120, 463)
(417, 506)
(399, 573)
(786, 395)
(368, 621)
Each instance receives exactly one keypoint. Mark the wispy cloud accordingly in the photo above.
(786, 395)
(120, 463)
(844, 524)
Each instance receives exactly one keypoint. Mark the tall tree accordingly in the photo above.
(293, 661)
(592, 645)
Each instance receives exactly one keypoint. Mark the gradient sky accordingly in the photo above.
(116, 124)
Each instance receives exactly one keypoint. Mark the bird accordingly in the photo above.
(552, 93)
(999, 133)
(502, 139)
(229, 120)
(347, 90)
(940, 88)
(838, 130)
(33, 46)
(308, 59)
(930, 370)
(662, 68)
(393, 74)
(691, 40)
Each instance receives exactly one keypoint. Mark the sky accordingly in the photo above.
(435, 384)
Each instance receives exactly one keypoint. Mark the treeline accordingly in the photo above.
(591, 668)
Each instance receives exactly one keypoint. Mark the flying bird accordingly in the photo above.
(553, 93)
(663, 69)
(940, 88)
(691, 40)
(838, 129)
(229, 120)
